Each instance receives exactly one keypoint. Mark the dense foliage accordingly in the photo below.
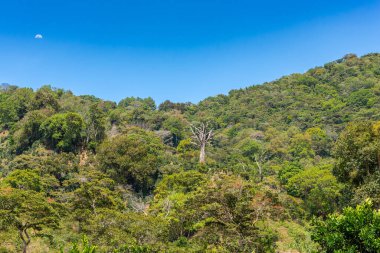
(278, 167)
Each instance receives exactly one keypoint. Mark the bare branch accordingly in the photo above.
(202, 135)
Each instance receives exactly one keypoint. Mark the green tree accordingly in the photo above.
(301, 147)
(229, 216)
(95, 121)
(26, 210)
(355, 230)
(84, 247)
(96, 191)
(318, 187)
(132, 102)
(63, 131)
(176, 125)
(28, 130)
(45, 97)
(25, 180)
(14, 105)
(287, 171)
(363, 97)
(132, 158)
(256, 152)
(357, 153)
(320, 142)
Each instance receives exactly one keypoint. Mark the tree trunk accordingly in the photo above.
(202, 154)
(202, 135)
(24, 241)
(260, 169)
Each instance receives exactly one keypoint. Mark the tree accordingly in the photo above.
(357, 152)
(288, 170)
(301, 147)
(170, 198)
(15, 105)
(132, 158)
(256, 152)
(167, 105)
(320, 142)
(63, 131)
(28, 130)
(116, 231)
(202, 134)
(355, 230)
(96, 191)
(229, 216)
(369, 189)
(45, 97)
(85, 247)
(26, 210)
(47, 163)
(222, 213)
(94, 124)
(176, 125)
(25, 180)
(318, 187)
(143, 103)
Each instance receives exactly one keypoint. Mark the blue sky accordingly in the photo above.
(175, 49)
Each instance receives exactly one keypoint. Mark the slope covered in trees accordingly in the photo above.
(277, 167)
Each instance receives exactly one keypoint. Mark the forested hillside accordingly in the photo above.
(291, 165)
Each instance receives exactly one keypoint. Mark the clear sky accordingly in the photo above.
(176, 49)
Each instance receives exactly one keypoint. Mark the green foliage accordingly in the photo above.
(25, 180)
(26, 210)
(357, 152)
(219, 212)
(183, 182)
(300, 147)
(94, 125)
(132, 158)
(250, 147)
(320, 142)
(144, 103)
(128, 175)
(96, 191)
(13, 106)
(86, 247)
(227, 209)
(369, 189)
(28, 130)
(176, 125)
(45, 97)
(355, 230)
(63, 131)
(364, 97)
(61, 166)
(318, 187)
(168, 106)
(287, 171)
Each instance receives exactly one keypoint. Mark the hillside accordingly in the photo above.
(130, 176)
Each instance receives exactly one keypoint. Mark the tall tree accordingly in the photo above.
(133, 158)
(202, 133)
(94, 124)
(62, 131)
(25, 211)
(357, 152)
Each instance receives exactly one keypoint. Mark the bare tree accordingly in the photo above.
(202, 134)
(259, 160)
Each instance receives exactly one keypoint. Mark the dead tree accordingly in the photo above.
(202, 134)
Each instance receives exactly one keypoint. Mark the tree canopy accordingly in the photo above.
(291, 165)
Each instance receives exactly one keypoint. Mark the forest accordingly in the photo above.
(291, 165)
